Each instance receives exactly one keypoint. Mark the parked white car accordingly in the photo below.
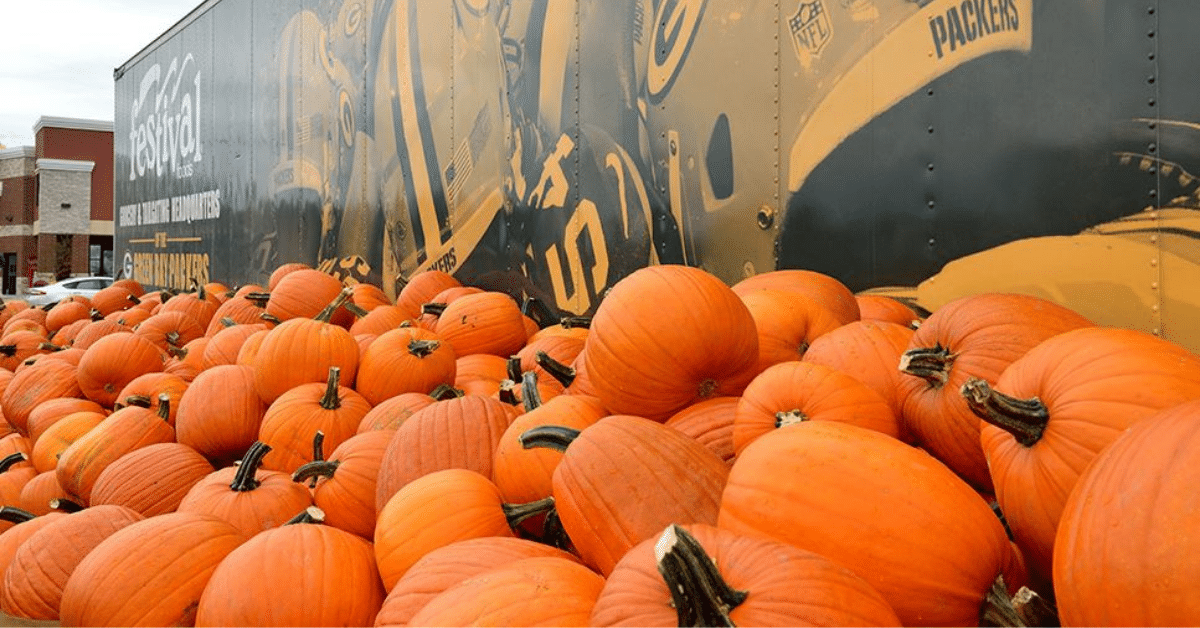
(75, 286)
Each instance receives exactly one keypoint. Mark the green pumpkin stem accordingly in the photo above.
(164, 407)
(572, 322)
(8, 351)
(49, 346)
(227, 322)
(531, 397)
(96, 315)
(271, 318)
(331, 400)
(435, 309)
(507, 392)
(553, 532)
(326, 314)
(790, 417)
(446, 391)
(1025, 419)
(12, 514)
(258, 298)
(997, 608)
(700, 595)
(559, 371)
(513, 367)
(516, 513)
(141, 401)
(316, 469)
(554, 437)
(318, 446)
(65, 505)
(244, 479)
(312, 514)
(929, 363)
(423, 348)
(8, 461)
(355, 309)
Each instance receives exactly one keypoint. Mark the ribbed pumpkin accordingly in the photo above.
(404, 360)
(18, 527)
(345, 482)
(15, 473)
(867, 351)
(791, 392)
(487, 322)
(330, 576)
(1121, 557)
(820, 288)
(543, 591)
(623, 479)
(96, 330)
(480, 374)
(301, 351)
(224, 346)
(291, 422)
(710, 423)
(248, 497)
(447, 566)
(457, 433)
(876, 308)
(974, 336)
(113, 298)
(150, 573)
(33, 583)
(392, 413)
(666, 337)
(151, 480)
(37, 493)
(700, 575)
(367, 297)
(55, 440)
(380, 320)
(49, 412)
(17, 346)
(199, 306)
(283, 270)
(220, 413)
(302, 293)
(421, 288)
(170, 330)
(788, 323)
(240, 310)
(115, 360)
(1056, 407)
(436, 510)
(32, 386)
(944, 545)
(147, 390)
(125, 430)
(66, 312)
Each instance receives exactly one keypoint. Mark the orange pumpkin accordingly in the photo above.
(147, 390)
(710, 423)
(37, 494)
(291, 421)
(302, 350)
(150, 573)
(125, 430)
(788, 323)
(345, 483)
(248, 497)
(867, 351)
(822, 289)
(392, 413)
(220, 413)
(32, 386)
(876, 307)
(421, 288)
(115, 360)
(151, 480)
(486, 322)
(666, 337)
(404, 360)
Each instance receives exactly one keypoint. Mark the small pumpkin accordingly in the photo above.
(345, 483)
(404, 360)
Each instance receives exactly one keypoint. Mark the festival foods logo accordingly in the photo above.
(164, 121)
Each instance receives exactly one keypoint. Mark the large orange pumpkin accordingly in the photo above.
(345, 483)
(291, 422)
(125, 430)
(32, 386)
(151, 480)
(974, 336)
(666, 337)
(220, 413)
(404, 360)
(115, 360)
(838, 490)
(301, 351)
(486, 322)
(709, 423)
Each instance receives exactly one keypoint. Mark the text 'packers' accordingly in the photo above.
(972, 20)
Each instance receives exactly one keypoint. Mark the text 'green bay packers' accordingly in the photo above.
(972, 20)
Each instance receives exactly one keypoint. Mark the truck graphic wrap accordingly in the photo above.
(548, 148)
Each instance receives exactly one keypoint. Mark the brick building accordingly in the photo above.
(56, 204)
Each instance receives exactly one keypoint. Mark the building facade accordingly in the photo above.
(56, 204)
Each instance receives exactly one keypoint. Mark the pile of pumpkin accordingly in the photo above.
(778, 452)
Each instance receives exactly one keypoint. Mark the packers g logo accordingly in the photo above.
(675, 25)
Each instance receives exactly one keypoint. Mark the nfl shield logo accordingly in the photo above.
(811, 29)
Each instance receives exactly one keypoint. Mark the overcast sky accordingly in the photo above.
(57, 56)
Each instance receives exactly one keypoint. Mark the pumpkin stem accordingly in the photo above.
(571, 322)
(318, 446)
(177, 352)
(11, 459)
(355, 309)
(259, 298)
(435, 309)
(789, 417)
(559, 371)
(997, 609)
(1003, 521)
(164, 406)
(507, 392)
(1034, 609)
(8, 351)
(326, 314)
(141, 401)
(553, 532)
(700, 595)
(423, 348)
(65, 505)
(929, 363)
(173, 338)
(96, 315)
(554, 437)
(312, 514)
(513, 367)
(12, 514)
(446, 391)
(49, 346)
(516, 513)
(331, 401)
(316, 469)
(531, 398)
(244, 479)
(1025, 419)
(271, 318)
(227, 322)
